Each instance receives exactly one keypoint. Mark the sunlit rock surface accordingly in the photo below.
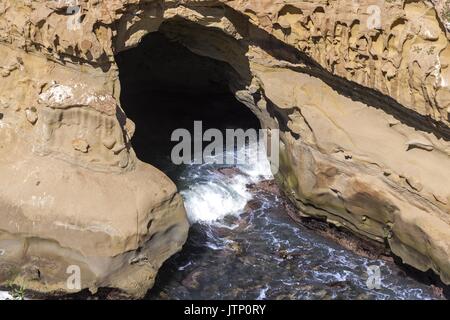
(359, 90)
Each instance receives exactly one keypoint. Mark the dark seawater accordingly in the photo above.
(236, 251)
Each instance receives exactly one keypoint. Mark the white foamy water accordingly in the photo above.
(5, 296)
(211, 196)
(214, 200)
(258, 168)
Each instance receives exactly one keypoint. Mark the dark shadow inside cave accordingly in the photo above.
(165, 86)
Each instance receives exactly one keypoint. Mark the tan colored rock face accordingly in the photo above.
(359, 90)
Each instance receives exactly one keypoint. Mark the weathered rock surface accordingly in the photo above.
(359, 89)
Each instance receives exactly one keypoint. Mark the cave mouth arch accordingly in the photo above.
(165, 86)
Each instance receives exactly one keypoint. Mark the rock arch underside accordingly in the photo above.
(364, 115)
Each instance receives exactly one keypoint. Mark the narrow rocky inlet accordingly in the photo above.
(258, 252)
(242, 243)
(100, 196)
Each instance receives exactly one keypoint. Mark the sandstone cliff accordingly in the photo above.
(359, 90)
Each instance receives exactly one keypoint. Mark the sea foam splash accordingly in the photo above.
(5, 296)
(211, 196)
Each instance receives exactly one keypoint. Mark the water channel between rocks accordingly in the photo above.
(243, 245)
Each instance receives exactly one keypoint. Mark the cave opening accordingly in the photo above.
(165, 87)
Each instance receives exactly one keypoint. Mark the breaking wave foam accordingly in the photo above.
(5, 296)
(212, 196)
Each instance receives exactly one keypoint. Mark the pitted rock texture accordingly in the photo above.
(398, 48)
(363, 106)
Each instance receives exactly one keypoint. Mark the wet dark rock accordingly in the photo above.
(338, 284)
(252, 205)
(117, 295)
(236, 247)
(266, 186)
(236, 292)
(286, 255)
(248, 260)
(223, 232)
(231, 172)
(192, 280)
(363, 247)
(321, 294)
(231, 219)
(363, 296)
(286, 297)
(164, 296)
(438, 291)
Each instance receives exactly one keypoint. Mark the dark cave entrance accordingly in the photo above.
(165, 86)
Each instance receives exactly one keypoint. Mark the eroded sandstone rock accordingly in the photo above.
(362, 104)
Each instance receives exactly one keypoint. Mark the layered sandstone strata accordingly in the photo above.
(359, 90)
